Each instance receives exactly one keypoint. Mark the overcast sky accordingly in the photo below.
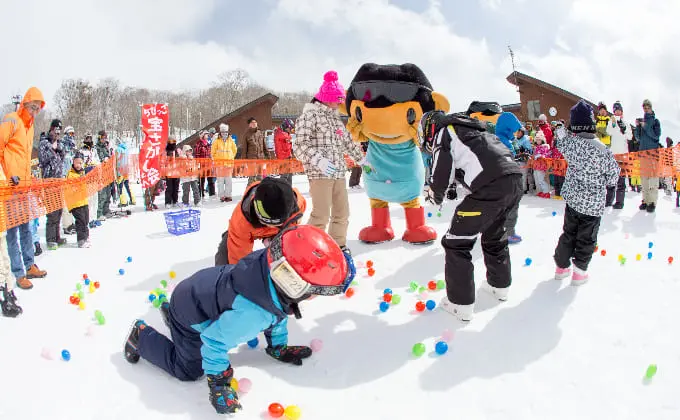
(602, 49)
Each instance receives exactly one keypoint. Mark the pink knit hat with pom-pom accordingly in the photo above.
(331, 91)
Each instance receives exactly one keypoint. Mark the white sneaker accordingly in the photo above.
(462, 312)
(497, 292)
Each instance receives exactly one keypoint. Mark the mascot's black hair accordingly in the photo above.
(393, 72)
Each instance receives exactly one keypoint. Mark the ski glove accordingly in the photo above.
(366, 165)
(327, 167)
(431, 198)
(289, 354)
(14, 180)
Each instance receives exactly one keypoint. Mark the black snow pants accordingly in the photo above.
(577, 243)
(171, 191)
(483, 211)
(222, 254)
(617, 193)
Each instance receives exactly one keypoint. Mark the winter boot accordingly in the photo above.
(71, 230)
(8, 303)
(84, 244)
(500, 293)
(651, 207)
(618, 206)
(562, 273)
(643, 206)
(462, 312)
(222, 396)
(165, 313)
(35, 273)
(38, 249)
(380, 229)
(24, 283)
(61, 241)
(579, 277)
(132, 343)
(52, 246)
(417, 232)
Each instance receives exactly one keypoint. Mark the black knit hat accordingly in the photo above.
(617, 106)
(582, 118)
(274, 201)
(56, 123)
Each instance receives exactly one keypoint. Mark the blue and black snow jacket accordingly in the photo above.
(229, 305)
(649, 135)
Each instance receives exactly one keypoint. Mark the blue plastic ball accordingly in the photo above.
(384, 306)
(441, 347)
(152, 298)
(387, 292)
(129, 259)
(651, 244)
(429, 214)
(554, 213)
(430, 305)
(162, 296)
(528, 261)
(87, 282)
(253, 343)
(649, 255)
(65, 355)
(121, 271)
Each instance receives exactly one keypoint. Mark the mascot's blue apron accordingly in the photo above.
(398, 175)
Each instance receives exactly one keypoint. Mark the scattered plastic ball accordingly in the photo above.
(420, 306)
(650, 245)
(157, 303)
(638, 257)
(275, 410)
(87, 282)
(316, 345)
(84, 276)
(81, 305)
(129, 259)
(349, 292)
(121, 271)
(47, 354)
(620, 257)
(65, 355)
(441, 347)
(152, 297)
(387, 292)
(72, 299)
(418, 349)
(651, 370)
(422, 289)
(76, 300)
(245, 385)
(441, 285)
(603, 252)
(649, 255)
(432, 285)
(79, 286)
(101, 320)
(423, 295)
(413, 286)
(91, 289)
(371, 272)
(554, 213)
(96, 285)
(430, 305)
(670, 260)
(387, 297)
(369, 263)
(447, 335)
(81, 295)
(396, 299)
(253, 343)
(384, 306)
(172, 275)
(623, 260)
(293, 412)
(627, 235)
(528, 262)
(429, 214)
(596, 248)
(439, 214)
(233, 384)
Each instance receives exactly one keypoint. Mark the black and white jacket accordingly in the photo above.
(464, 150)
(591, 169)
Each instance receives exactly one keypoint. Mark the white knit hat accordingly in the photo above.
(543, 118)
(224, 128)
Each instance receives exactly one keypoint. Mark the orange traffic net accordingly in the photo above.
(25, 202)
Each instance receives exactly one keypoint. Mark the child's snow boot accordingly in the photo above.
(579, 277)
(651, 207)
(38, 249)
(417, 232)
(222, 396)
(380, 229)
(8, 302)
(52, 246)
(130, 349)
(562, 273)
(462, 312)
(500, 293)
(643, 206)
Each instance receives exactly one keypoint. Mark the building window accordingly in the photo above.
(534, 109)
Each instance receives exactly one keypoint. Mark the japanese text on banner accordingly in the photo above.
(155, 119)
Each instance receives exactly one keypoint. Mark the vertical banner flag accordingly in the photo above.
(155, 125)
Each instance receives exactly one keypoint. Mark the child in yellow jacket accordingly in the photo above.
(76, 201)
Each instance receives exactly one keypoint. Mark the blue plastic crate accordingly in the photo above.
(183, 221)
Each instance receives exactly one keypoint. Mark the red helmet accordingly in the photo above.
(305, 261)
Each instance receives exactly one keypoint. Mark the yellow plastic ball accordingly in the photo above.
(234, 384)
(638, 257)
(81, 305)
(173, 274)
(620, 257)
(292, 412)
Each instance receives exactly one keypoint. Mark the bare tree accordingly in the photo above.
(73, 101)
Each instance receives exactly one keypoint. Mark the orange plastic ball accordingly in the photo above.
(275, 410)
(349, 292)
(387, 297)
(369, 263)
(371, 272)
(596, 248)
(420, 306)
(670, 260)
(432, 285)
(84, 276)
(96, 285)
(603, 252)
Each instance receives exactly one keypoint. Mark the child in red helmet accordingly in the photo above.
(218, 308)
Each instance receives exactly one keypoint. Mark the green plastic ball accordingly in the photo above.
(157, 291)
(396, 299)
(422, 289)
(418, 349)
(81, 295)
(413, 286)
(354, 283)
(439, 214)
(101, 320)
(164, 283)
(79, 286)
(156, 303)
(441, 285)
(651, 371)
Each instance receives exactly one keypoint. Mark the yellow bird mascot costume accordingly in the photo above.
(384, 104)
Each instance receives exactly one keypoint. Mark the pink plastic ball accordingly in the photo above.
(316, 345)
(423, 296)
(47, 354)
(389, 181)
(90, 330)
(171, 287)
(244, 385)
(447, 335)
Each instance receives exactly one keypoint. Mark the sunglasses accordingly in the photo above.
(390, 90)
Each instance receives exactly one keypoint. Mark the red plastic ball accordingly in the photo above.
(76, 300)
(420, 306)
(432, 285)
(84, 276)
(369, 263)
(349, 292)
(96, 285)
(72, 299)
(603, 252)
(276, 410)
(371, 272)
(670, 260)
(387, 297)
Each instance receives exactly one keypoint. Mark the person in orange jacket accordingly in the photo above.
(266, 206)
(283, 145)
(16, 144)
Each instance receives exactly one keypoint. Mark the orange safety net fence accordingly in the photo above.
(27, 201)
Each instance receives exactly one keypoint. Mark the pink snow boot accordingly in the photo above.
(580, 277)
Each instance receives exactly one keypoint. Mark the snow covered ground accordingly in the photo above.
(550, 352)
